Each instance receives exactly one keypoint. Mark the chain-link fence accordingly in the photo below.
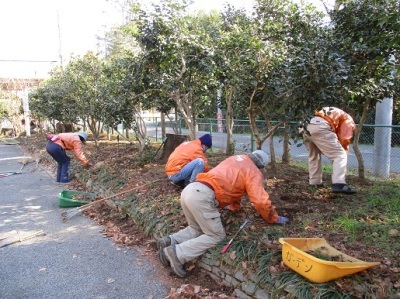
(379, 145)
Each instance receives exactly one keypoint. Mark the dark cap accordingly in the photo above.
(206, 140)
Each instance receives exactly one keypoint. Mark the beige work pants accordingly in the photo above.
(205, 228)
(324, 141)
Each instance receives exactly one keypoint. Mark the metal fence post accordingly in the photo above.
(382, 138)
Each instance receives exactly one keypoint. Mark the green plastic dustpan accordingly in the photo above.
(74, 198)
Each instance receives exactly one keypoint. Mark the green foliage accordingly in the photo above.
(364, 42)
(3, 109)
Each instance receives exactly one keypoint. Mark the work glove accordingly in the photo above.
(282, 220)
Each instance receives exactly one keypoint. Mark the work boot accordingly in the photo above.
(181, 184)
(176, 265)
(320, 185)
(161, 244)
(343, 188)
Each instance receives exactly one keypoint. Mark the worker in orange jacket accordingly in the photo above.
(221, 187)
(57, 145)
(187, 160)
(329, 132)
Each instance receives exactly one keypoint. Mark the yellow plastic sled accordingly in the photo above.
(295, 256)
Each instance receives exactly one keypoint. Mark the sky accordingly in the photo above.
(36, 34)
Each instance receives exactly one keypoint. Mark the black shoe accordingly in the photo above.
(180, 184)
(343, 188)
(321, 185)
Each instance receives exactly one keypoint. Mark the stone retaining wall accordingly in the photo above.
(245, 284)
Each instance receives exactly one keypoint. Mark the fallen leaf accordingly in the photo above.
(272, 269)
(244, 265)
(191, 267)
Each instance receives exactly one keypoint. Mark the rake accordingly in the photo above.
(5, 174)
(69, 214)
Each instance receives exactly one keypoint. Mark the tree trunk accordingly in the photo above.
(253, 111)
(140, 131)
(186, 106)
(272, 162)
(93, 125)
(357, 133)
(229, 122)
(286, 144)
(172, 141)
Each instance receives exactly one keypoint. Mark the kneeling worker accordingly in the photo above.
(187, 160)
(221, 187)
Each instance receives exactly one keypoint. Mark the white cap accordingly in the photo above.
(261, 156)
(83, 135)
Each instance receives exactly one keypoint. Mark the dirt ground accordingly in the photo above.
(289, 191)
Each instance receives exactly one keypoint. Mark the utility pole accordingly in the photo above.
(23, 94)
(383, 137)
(219, 110)
(59, 41)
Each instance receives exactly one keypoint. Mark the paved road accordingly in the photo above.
(298, 153)
(73, 259)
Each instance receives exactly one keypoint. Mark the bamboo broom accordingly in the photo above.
(69, 214)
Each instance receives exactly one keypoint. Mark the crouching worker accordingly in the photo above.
(329, 132)
(187, 160)
(57, 145)
(221, 187)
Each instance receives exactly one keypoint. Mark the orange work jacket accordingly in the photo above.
(183, 154)
(237, 176)
(342, 124)
(71, 141)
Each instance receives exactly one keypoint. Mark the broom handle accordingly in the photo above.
(23, 238)
(84, 207)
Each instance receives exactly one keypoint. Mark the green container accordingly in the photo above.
(66, 198)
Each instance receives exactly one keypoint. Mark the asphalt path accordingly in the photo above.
(73, 259)
(298, 153)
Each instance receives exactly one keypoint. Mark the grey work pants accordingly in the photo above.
(323, 140)
(205, 228)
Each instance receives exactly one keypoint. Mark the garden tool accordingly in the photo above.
(69, 214)
(23, 238)
(5, 174)
(228, 245)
